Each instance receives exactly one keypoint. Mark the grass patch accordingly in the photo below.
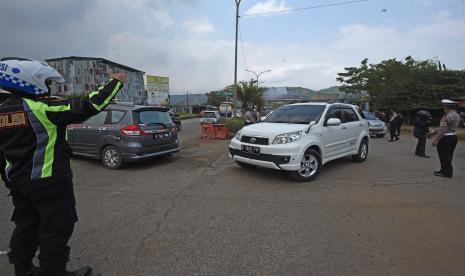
(235, 124)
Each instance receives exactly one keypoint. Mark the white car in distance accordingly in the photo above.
(210, 117)
(301, 138)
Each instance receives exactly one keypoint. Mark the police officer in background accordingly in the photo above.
(35, 162)
(446, 139)
(421, 131)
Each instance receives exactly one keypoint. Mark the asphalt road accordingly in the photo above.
(198, 213)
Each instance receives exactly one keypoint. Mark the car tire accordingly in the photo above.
(310, 167)
(245, 165)
(112, 158)
(362, 152)
(179, 126)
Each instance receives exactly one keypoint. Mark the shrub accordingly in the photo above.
(235, 124)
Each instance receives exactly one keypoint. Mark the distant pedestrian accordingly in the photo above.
(421, 131)
(249, 117)
(446, 139)
(393, 126)
(400, 121)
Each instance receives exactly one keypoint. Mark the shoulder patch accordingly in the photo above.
(13, 120)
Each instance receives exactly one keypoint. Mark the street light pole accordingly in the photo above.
(257, 75)
(238, 2)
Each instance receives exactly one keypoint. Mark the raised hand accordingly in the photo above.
(122, 77)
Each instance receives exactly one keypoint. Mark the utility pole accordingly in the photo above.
(187, 95)
(238, 2)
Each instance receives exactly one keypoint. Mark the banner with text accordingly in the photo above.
(158, 90)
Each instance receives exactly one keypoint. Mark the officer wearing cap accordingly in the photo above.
(446, 139)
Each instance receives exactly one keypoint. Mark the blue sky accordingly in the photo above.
(192, 41)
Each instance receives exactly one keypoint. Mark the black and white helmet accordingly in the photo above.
(30, 77)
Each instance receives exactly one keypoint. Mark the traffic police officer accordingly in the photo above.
(446, 139)
(35, 162)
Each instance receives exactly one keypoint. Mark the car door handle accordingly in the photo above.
(102, 128)
(343, 127)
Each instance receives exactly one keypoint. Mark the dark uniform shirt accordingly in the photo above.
(33, 147)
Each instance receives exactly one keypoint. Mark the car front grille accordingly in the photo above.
(254, 140)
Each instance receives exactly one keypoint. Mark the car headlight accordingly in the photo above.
(287, 137)
(238, 135)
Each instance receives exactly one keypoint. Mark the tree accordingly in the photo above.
(215, 98)
(403, 85)
(250, 95)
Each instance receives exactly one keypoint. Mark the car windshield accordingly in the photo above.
(296, 114)
(369, 116)
(209, 115)
(150, 117)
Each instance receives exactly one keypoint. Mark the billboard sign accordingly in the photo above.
(158, 90)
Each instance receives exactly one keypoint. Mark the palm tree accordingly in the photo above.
(250, 95)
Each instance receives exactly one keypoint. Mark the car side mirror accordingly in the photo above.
(333, 122)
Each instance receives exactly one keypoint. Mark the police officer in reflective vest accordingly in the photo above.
(35, 162)
(446, 139)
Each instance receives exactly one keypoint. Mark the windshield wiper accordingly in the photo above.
(154, 124)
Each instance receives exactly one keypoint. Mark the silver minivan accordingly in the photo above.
(125, 133)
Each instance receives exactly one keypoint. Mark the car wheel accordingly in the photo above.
(362, 152)
(245, 165)
(112, 158)
(179, 126)
(310, 166)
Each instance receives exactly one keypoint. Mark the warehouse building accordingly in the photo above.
(86, 74)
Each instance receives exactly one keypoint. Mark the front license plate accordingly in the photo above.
(250, 149)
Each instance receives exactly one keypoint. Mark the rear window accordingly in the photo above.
(209, 115)
(153, 117)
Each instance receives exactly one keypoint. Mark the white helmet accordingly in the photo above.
(27, 76)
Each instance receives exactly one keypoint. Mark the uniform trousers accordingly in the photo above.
(44, 218)
(446, 147)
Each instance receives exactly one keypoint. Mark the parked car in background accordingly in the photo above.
(301, 138)
(125, 133)
(175, 119)
(377, 127)
(210, 117)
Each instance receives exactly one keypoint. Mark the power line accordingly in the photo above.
(242, 45)
(306, 8)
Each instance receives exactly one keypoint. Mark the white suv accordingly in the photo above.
(301, 138)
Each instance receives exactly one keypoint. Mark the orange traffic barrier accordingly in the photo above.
(221, 131)
(208, 131)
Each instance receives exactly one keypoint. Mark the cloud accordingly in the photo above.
(425, 3)
(198, 26)
(145, 36)
(267, 7)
